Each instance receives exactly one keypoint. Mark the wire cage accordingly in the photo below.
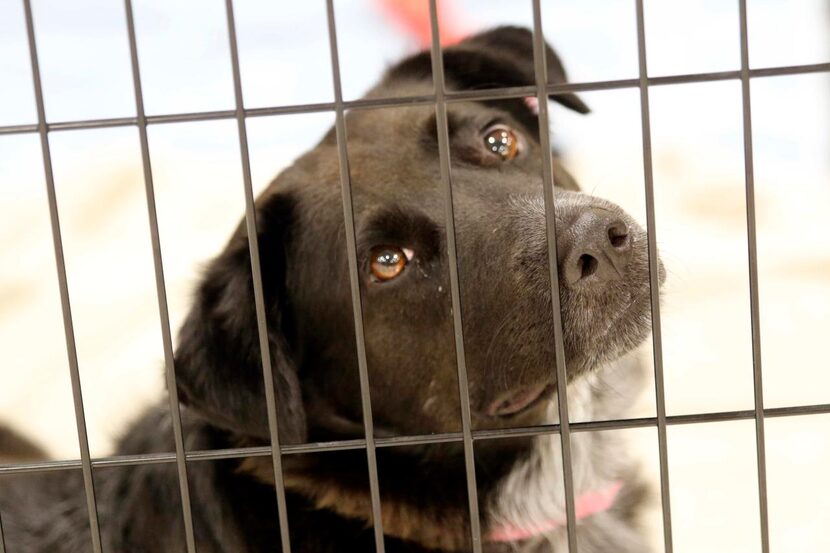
(468, 437)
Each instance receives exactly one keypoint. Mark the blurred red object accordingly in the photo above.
(412, 16)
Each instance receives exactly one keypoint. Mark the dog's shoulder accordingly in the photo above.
(48, 512)
(44, 512)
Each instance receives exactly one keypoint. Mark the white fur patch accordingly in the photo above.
(533, 493)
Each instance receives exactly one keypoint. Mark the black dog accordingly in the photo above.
(508, 339)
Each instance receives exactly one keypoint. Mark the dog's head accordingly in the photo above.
(399, 214)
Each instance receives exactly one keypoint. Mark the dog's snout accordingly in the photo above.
(597, 249)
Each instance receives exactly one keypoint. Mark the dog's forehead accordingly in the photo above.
(387, 125)
(393, 153)
(393, 159)
(417, 123)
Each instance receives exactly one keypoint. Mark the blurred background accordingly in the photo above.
(700, 204)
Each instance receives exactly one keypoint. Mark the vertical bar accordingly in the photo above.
(654, 282)
(256, 273)
(354, 279)
(2, 537)
(69, 331)
(455, 290)
(541, 74)
(161, 291)
(752, 251)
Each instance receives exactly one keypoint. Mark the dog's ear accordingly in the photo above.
(218, 361)
(502, 57)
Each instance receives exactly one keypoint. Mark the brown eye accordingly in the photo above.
(502, 141)
(387, 262)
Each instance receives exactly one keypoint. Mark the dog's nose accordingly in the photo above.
(597, 249)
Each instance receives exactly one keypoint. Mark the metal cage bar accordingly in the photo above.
(404, 101)
(354, 280)
(256, 275)
(161, 291)
(66, 310)
(442, 129)
(2, 537)
(439, 99)
(752, 256)
(654, 283)
(400, 441)
(541, 76)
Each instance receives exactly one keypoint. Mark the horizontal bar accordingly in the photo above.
(93, 124)
(18, 129)
(789, 70)
(403, 441)
(428, 99)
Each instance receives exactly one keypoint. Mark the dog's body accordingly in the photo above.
(505, 293)
(140, 511)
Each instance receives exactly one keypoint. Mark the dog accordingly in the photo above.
(403, 268)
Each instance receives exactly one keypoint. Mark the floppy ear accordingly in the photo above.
(502, 57)
(218, 362)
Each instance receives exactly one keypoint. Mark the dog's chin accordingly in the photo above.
(595, 344)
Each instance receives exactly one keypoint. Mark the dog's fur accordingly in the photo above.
(508, 339)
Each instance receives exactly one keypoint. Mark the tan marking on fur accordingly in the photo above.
(446, 530)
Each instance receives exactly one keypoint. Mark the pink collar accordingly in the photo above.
(587, 504)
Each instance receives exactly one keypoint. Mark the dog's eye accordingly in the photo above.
(387, 262)
(502, 141)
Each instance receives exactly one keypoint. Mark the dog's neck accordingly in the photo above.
(588, 504)
(529, 502)
(531, 499)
